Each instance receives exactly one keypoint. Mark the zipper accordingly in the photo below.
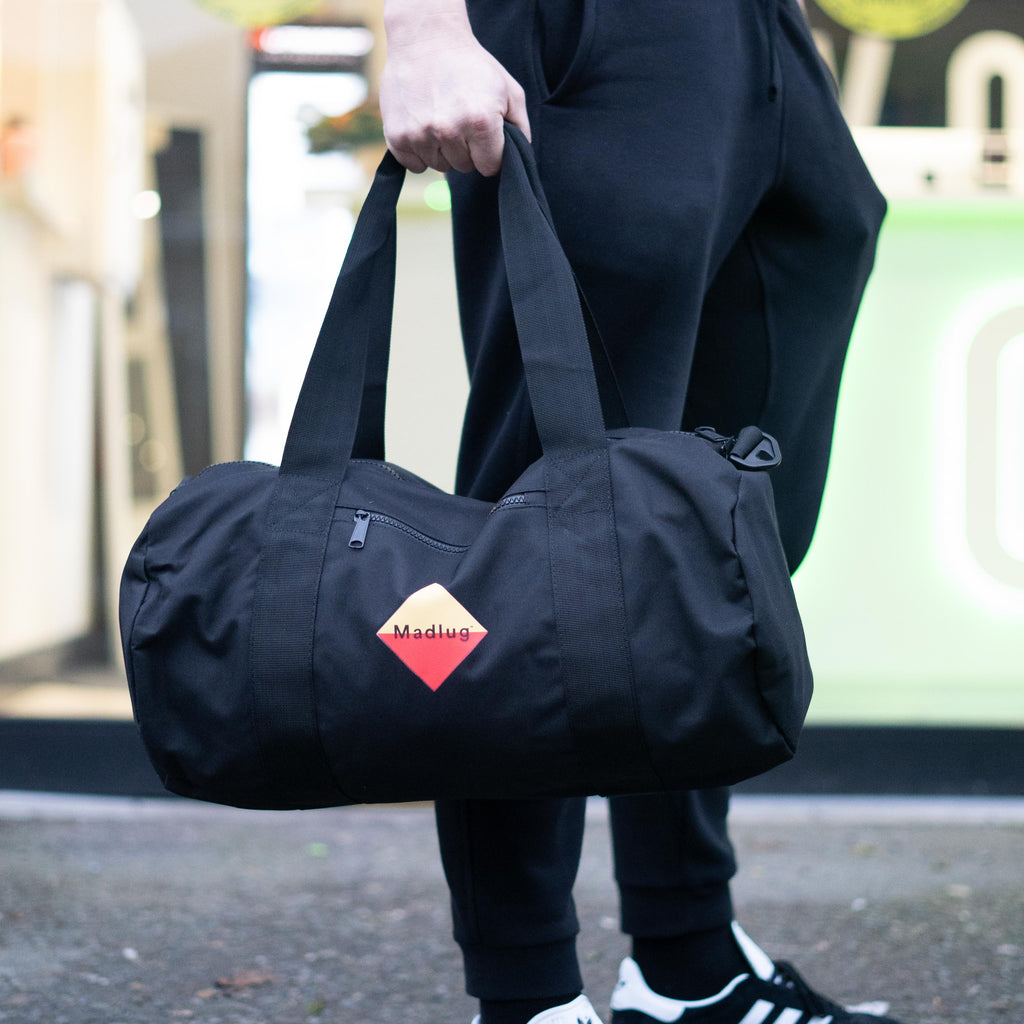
(509, 500)
(384, 467)
(512, 500)
(358, 538)
(362, 520)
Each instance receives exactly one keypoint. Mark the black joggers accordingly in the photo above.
(722, 226)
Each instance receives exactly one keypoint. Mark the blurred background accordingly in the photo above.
(177, 189)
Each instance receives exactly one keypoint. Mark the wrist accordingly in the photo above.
(411, 22)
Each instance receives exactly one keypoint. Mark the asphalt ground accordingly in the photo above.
(127, 911)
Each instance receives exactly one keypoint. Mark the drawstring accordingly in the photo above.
(772, 15)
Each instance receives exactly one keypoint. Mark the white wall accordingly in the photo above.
(68, 254)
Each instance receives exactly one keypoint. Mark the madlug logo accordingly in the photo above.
(892, 19)
(432, 634)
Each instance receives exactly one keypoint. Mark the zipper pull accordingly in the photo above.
(362, 521)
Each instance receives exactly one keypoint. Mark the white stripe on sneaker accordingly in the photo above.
(762, 1010)
(789, 1017)
(756, 956)
(758, 1013)
(633, 993)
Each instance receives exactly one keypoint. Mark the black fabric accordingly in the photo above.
(521, 1011)
(634, 591)
(517, 931)
(673, 861)
(717, 214)
(695, 965)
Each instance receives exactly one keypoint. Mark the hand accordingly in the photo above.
(443, 97)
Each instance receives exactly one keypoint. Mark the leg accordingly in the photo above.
(673, 861)
(774, 328)
(777, 317)
(657, 139)
(655, 146)
(673, 864)
(511, 866)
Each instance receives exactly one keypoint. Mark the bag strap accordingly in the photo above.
(340, 409)
(549, 317)
(582, 536)
(352, 346)
(341, 402)
(612, 403)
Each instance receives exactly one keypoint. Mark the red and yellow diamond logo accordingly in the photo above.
(432, 633)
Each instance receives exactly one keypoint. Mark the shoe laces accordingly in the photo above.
(788, 977)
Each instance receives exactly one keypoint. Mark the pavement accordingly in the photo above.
(130, 911)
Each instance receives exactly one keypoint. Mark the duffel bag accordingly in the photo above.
(338, 630)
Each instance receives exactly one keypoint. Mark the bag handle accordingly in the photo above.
(546, 303)
(340, 399)
(340, 408)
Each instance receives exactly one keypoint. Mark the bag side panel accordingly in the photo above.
(690, 616)
(783, 670)
(131, 597)
(189, 633)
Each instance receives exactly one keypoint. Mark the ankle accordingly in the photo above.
(520, 1011)
(692, 966)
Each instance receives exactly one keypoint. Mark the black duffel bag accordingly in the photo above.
(339, 630)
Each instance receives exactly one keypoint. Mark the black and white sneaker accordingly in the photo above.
(579, 1011)
(772, 993)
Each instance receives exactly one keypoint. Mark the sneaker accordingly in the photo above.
(579, 1011)
(772, 993)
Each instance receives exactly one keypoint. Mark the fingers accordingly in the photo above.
(473, 146)
(449, 115)
(516, 110)
(406, 157)
(418, 151)
(487, 145)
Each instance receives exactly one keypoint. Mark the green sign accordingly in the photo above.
(913, 592)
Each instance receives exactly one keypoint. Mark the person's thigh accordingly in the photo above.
(777, 318)
(657, 135)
